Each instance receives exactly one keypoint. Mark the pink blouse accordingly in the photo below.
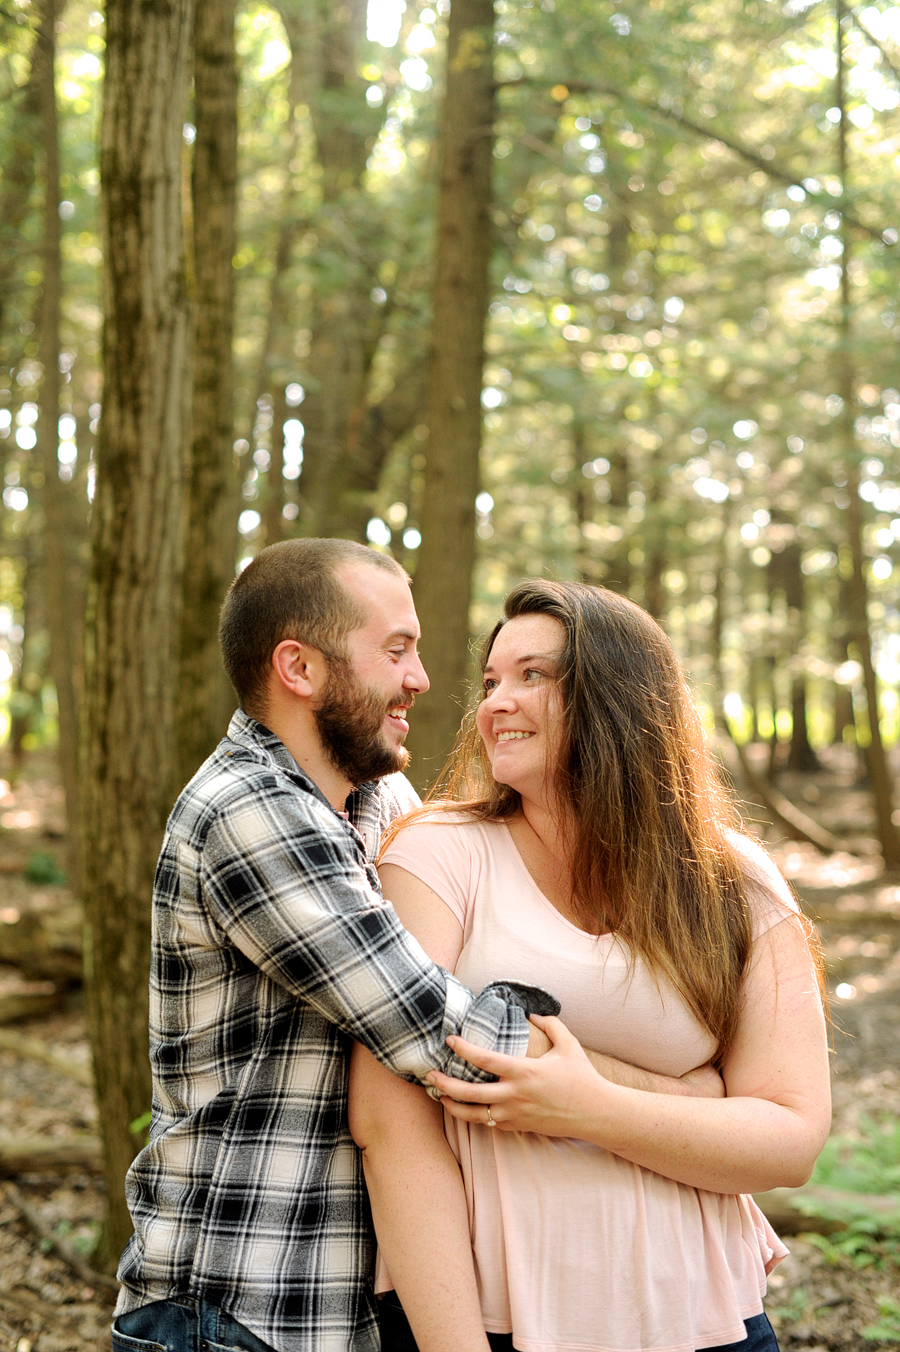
(577, 1249)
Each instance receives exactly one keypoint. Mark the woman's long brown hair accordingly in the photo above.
(651, 856)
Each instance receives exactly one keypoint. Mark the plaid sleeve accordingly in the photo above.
(287, 883)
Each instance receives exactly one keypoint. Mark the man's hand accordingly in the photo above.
(538, 1042)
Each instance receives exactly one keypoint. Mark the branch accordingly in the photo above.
(797, 824)
(823, 1210)
(66, 1251)
(34, 1050)
(49, 1154)
(876, 42)
(711, 133)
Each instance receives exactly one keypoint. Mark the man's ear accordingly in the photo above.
(299, 668)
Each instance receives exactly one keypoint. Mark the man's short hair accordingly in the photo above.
(289, 591)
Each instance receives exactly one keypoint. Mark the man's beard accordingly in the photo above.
(350, 722)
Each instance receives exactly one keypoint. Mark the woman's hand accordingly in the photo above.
(554, 1094)
(766, 1132)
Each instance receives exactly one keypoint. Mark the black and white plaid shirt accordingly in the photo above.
(272, 950)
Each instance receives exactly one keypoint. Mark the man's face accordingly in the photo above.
(361, 718)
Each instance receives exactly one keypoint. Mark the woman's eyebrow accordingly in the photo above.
(530, 657)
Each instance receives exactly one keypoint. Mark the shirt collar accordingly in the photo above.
(254, 736)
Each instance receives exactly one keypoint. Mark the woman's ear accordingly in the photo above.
(300, 669)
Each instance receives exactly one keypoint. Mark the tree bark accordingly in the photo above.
(60, 603)
(346, 323)
(131, 653)
(879, 772)
(19, 170)
(453, 401)
(205, 698)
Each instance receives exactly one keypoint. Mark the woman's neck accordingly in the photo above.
(545, 846)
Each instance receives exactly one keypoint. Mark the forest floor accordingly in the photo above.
(823, 1298)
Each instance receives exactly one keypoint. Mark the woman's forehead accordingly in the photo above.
(528, 636)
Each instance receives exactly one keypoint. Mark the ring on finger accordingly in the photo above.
(490, 1117)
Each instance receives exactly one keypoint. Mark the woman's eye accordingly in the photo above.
(489, 685)
(532, 673)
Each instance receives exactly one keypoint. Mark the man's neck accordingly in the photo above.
(304, 745)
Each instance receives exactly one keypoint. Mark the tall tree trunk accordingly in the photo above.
(17, 181)
(205, 699)
(801, 755)
(28, 676)
(59, 602)
(131, 652)
(879, 772)
(841, 638)
(346, 323)
(453, 401)
(274, 496)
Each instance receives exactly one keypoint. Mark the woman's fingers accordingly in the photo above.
(460, 1090)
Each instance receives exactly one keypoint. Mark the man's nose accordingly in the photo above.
(416, 677)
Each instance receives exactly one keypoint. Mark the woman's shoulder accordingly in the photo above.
(439, 829)
(771, 900)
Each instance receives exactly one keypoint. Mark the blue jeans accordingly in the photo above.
(186, 1324)
(397, 1336)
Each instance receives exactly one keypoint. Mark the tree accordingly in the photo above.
(128, 749)
(205, 700)
(879, 771)
(453, 398)
(60, 602)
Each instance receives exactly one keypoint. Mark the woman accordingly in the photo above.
(587, 846)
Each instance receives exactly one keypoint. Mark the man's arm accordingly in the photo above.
(287, 882)
(702, 1082)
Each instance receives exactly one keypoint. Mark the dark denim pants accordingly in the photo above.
(397, 1336)
(187, 1324)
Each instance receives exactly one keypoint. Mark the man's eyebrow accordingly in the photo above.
(412, 634)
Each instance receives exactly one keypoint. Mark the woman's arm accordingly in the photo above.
(414, 1183)
(768, 1131)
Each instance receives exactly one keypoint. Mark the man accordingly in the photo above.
(272, 950)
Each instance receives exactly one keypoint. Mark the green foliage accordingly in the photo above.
(140, 1127)
(887, 1329)
(868, 1162)
(44, 868)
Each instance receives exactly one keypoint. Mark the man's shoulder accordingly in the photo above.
(243, 774)
(374, 806)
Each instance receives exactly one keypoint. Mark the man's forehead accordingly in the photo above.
(384, 598)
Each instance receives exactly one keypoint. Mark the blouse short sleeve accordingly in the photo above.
(439, 851)
(771, 900)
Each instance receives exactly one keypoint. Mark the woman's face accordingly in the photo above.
(520, 718)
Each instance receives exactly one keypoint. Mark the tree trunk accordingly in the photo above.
(59, 601)
(879, 772)
(453, 401)
(28, 676)
(346, 323)
(131, 653)
(842, 695)
(18, 178)
(274, 496)
(801, 756)
(205, 699)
